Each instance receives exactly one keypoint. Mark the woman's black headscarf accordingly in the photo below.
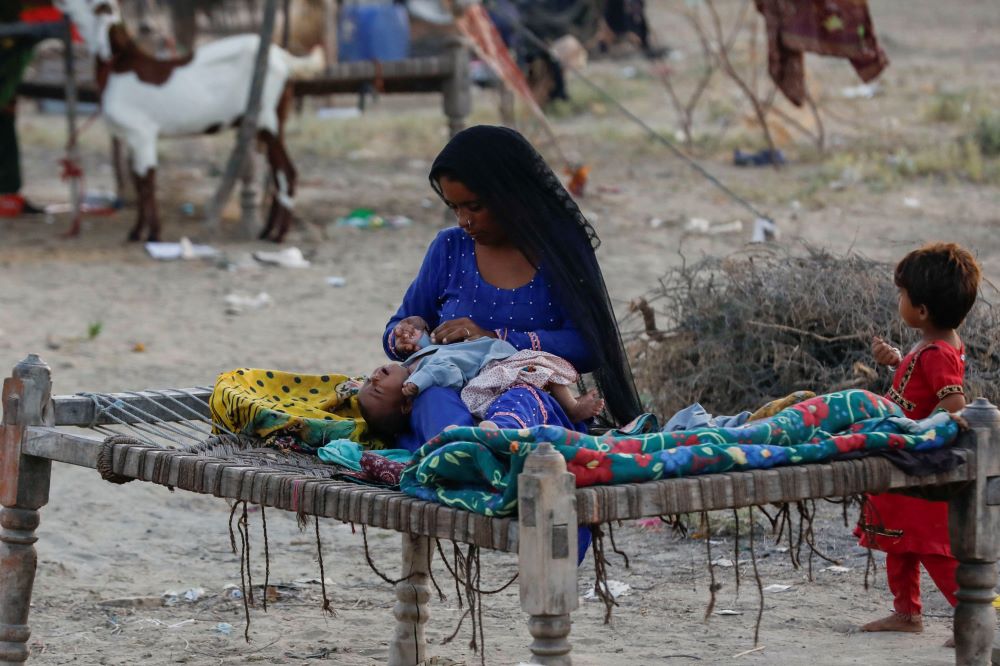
(540, 217)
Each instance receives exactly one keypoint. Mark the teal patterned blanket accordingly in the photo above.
(476, 469)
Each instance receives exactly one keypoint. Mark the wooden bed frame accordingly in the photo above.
(33, 434)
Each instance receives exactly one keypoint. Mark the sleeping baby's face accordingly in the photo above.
(381, 398)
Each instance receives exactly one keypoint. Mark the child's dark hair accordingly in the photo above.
(943, 277)
(387, 428)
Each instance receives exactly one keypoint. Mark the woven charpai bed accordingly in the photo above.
(165, 437)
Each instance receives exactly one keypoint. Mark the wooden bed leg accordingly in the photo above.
(408, 646)
(547, 552)
(457, 90)
(974, 526)
(24, 488)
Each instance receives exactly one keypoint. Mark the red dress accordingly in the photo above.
(904, 524)
(913, 531)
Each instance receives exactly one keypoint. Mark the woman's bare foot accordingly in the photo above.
(896, 622)
(587, 406)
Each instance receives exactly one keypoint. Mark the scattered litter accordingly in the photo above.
(837, 569)
(656, 222)
(91, 203)
(183, 249)
(182, 623)
(776, 587)
(426, 202)
(132, 602)
(780, 549)
(733, 227)
(236, 302)
(313, 581)
(187, 208)
(911, 202)
(336, 281)
(723, 562)
(289, 257)
(365, 218)
(697, 225)
(138, 347)
(232, 592)
(764, 230)
(649, 523)
(849, 176)
(763, 157)
(190, 595)
(224, 629)
(750, 651)
(338, 112)
(615, 587)
(610, 189)
(728, 611)
(630, 72)
(862, 91)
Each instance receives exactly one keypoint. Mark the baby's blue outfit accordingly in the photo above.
(452, 366)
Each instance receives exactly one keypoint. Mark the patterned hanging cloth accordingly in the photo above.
(839, 28)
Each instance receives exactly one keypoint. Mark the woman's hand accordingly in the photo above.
(884, 353)
(407, 335)
(458, 330)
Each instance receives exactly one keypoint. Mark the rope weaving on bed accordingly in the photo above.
(311, 409)
(476, 469)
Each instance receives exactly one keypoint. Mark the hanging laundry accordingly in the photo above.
(839, 28)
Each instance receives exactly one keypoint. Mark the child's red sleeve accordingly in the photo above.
(943, 371)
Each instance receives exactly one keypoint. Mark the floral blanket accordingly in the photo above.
(476, 469)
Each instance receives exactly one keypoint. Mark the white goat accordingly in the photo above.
(143, 98)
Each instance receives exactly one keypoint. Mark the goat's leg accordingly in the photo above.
(280, 217)
(142, 145)
(145, 187)
(140, 193)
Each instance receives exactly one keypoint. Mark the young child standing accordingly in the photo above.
(937, 285)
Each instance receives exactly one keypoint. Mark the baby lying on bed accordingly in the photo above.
(483, 368)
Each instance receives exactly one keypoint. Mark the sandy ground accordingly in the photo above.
(99, 542)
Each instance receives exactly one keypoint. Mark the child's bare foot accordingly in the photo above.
(896, 622)
(488, 425)
(587, 406)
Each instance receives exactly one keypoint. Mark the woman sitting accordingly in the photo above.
(520, 267)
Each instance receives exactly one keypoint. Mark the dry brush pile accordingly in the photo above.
(735, 332)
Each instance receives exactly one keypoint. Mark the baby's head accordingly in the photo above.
(383, 405)
(938, 285)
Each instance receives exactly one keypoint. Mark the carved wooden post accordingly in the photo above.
(458, 89)
(974, 526)
(547, 552)
(24, 488)
(408, 646)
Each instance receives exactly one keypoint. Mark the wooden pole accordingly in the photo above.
(72, 150)
(547, 552)
(24, 488)
(457, 90)
(974, 526)
(408, 646)
(247, 133)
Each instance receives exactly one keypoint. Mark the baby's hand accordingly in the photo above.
(407, 334)
(884, 353)
(410, 389)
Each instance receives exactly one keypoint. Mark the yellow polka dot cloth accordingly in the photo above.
(314, 409)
